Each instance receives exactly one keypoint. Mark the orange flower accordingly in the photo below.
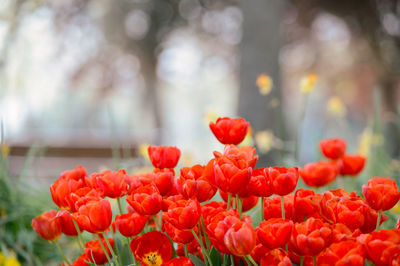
(381, 193)
(382, 246)
(67, 224)
(183, 214)
(164, 156)
(112, 183)
(351, 164)
(152, 248)
(240, 239)
(260, 183)
(345, 253)
(178, 236)
(130, 224)
(164, 180)
(275, 232)
(95, 252)
(95, 216)
(146, 200)
(284, 180)
(47, 225)
(276, 257)
(229, 131)
(333, 148)
(319, 174)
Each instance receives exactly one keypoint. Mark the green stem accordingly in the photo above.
(129, 248)
(301, 260)
(239, 206)
(315, 260)
(232, 261)
(156, 222)
(62, 253)
(119, 205)
(251, 260)
(262, 208)
(104, 249)
(229, 202)
(111, 249)
(185, 248)
(208, 244)
(378, 221)
(80, 241)
(201, 246)
(283, 207)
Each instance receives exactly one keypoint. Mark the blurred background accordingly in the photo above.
(91, 82)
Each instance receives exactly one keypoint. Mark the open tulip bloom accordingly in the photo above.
(168, 219)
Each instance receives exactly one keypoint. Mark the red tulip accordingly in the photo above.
(112, 183)
(211, 209)
(47, 225)
(275, 232)
(178, 236)
(61, 190)
(284, 180)
(260, 183)
(217, 228)
(248, 203)
(345, 253)
(130, 224)
(95, 216)
(381, 193)
(181, 261)
(259, 251)
(229, 131)
(183, 214)
(81, 197)
(240, 239)
(152, 248)
(95, 252)
(191, 184)
(164, 156)
(67, 224)
(164, 180)
(306, 204)
(146, 200)
(342, 233)
(382, 246)
(272, 207)
(276, 257)
(319, 174)
(333, 148)
(351, 164)
(310, 237)
(81, 260)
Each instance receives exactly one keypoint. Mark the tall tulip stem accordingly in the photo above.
(203, 227)
(119, 205)
(202, 246)
(378, 221)
(251, 260)
(301, 260)
(111, 249)
(229, 202)
(185, 248)
(239, 205)
(80, 241)
(104, 249)
(262, 208)
(62, 253)
(283, 207)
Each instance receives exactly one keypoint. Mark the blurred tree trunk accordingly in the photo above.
(260, 54)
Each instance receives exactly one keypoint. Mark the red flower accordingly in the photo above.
(191, 184)
(164, 180)
(351, 164)
(93, 250)
(284, 180)
(248, 203)
(240, 239)
(95, 216)
(276, 257)
(130, 224)
(184, 214)
(67, 224)
(181, 261)
(259, 251)
(112, 183)
(152, 248)
(146, 200)
(275, 232)
(272, 207)
(164, 156)
(217, 228)
(333, 148)
(382, 246)
(381, 193)
(211, 209)
(61, 190)
(82, 196)
(310, 237)
(398, 224)
(260, 183)
(82, 260)
(229, 131)
(47, 225)
(342, 233)
(178, 236)
(306, 204)
(319, 174)
(345, 253)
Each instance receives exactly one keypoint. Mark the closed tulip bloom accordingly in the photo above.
(333, 148)
(383, 246)
(276, 257)
(61, 190)
(240, 239)
(95, 216)
(67, 224)
(319, 174)
(272, 207)
(345, 253)
(351, 164)
(164, 156)
(112, 183)
(381, 193)
(78, 173)
(152, 248)
(95, 252)
(146, 200)
(260, 183)
(306, 204)
(275, 232)
(284, 180)
(184, 214)
(311, 237)
(164, 180)
(130, 224)
(82, 196)
(178, 236)
(181, 261)
(229, 131)
(47, 225)
(218, 227)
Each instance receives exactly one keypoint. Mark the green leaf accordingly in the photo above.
(215, 257)
(196, 261)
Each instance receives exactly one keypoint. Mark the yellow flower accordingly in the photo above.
(264, 84)
(264, 140)
(11, 261)
(2, 258)
(307, 83)
(5, 150)
(336, 107)
(396, 209)
(142, 149)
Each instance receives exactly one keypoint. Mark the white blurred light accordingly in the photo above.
(137, 23)
(391, 24)
(330, 28)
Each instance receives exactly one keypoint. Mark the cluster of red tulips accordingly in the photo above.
(171, 221)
